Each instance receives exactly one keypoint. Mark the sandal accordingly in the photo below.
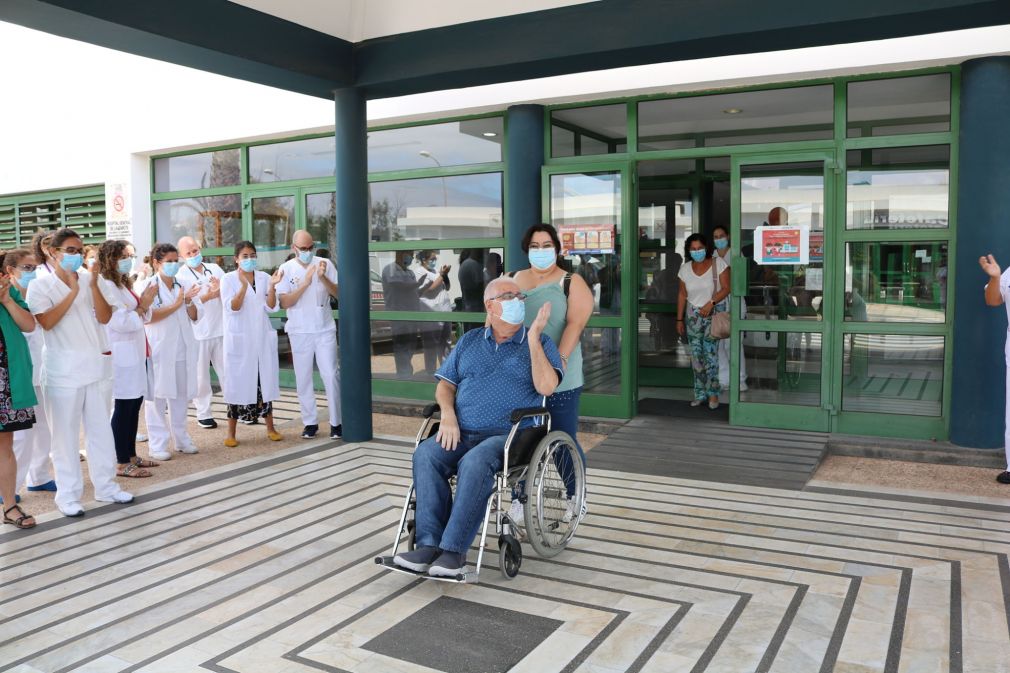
(20, 521)
(274, 436)
(143, 462)
(132, 470)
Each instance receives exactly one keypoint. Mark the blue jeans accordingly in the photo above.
(564, 408)
(441, 521)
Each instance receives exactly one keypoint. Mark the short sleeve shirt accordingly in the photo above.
(211, 322)
(701, 288)
(493, 378)
(311, 314)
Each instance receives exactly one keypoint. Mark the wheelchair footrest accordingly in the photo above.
(468, 577)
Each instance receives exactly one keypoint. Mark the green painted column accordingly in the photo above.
(524, 147)
(983, 227)
(352, 264)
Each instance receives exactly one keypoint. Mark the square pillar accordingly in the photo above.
(525, 151)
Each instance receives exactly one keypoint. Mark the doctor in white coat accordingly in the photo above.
(209, 327)
(997, 292)
(306, 284)
(250, 343)
(173, 354)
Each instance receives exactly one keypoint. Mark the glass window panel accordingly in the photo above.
(777, 115)
(783, 291)
(472, 141)
(896, 282)
(321, 222)
(900, 105)
(898, 188)
(601, 360)
(273, 219)
(782, 368)
(214, 221)
(198, 171)
(396, 287)
(454, 207)
(586, 211)
(893, 374)
(411, 350)
(600, 129)
(295, 160)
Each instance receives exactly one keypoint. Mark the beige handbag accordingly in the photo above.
(719, 329)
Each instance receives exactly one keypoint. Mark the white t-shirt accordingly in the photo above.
(700, 288)
(440, 301)
(311, 313)
(210, 324)
(76, 349)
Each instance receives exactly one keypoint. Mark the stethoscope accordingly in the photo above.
(161, 302)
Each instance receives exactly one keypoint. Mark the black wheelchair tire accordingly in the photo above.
(510, 556)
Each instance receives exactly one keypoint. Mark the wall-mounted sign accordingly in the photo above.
(782, 245)
(587, 239)
(118, 224)
(816, 246)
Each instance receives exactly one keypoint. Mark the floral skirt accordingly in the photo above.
(250, 412)
(11, 419)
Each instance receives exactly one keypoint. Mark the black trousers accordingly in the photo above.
(125, 417)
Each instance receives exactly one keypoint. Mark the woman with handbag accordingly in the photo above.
(704, 287)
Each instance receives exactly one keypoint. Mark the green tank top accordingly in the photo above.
(554, 293)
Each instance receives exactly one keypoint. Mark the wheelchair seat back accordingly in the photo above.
(525, 444)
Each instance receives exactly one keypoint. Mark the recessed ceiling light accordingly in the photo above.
(489, 134)
(732, 111)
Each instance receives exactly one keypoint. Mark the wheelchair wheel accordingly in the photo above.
(510, 556)
(556, 469)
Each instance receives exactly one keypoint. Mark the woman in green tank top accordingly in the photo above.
(571, 303)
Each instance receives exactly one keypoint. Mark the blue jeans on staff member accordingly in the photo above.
(442, 521)
(564, 408)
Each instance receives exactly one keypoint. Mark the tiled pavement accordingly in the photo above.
(268, 567)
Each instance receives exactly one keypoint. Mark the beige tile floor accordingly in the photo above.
(664, 575)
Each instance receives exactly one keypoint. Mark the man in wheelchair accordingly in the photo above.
(491, 371)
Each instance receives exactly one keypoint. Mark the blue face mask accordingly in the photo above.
(195, 261)
(305, 256)
(542, 258)
(71, 262)
(125, 266)
(248, 264)
(513, 311)
(26, 277)
(407, 259)
(170, 268)
(721, 243)
(699, 255)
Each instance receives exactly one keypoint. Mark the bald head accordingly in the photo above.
(778, 216)
(302, 239)
(188, 247)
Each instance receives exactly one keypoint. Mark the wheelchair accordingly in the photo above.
(540, 467)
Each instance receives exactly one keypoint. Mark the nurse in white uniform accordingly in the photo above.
(997, 292)
(306, 284)
(250, 343)
(209, 326)
(720, 239)
(173, 354)
(77, 374)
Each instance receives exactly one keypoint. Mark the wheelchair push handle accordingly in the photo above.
(530, 412)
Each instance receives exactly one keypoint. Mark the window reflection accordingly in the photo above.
(453, 207)
(893, 374)
(899, 105)
(583, 131)
(273, 224)
(898, 188)
(896, 282)
(411, 350)
(295, 160)
(321, 222)
(782, 368)
(214, 221)
(197, 171)
(456, 143)
(408, 280)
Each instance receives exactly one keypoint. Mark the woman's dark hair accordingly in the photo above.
(60, 236)
(547, 229)
(109, 254)
(701, 238)
(41, 241)
(717, 227)
(242, 245)
(13, 258)
(159, 251)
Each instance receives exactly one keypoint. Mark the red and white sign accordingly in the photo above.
(586, 239)
(118, 224)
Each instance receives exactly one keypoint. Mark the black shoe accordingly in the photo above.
(249, 421)
(1003, 478)
(418, 560)
(310, 431)
(448, 564)
(208, 423)
(336, 431)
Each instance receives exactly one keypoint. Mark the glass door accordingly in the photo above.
(782, 269)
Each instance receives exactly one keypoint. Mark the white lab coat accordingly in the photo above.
(165, 336)
(250, 342)
(132, 375)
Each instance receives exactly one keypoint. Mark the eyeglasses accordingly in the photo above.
(509, 296)
(301, 249)
(27, 268)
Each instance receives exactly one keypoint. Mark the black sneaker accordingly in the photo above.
(249, 421)
(448, 564)
(310, 431)
(336, 431)
(1003, 478)
(418, 560)
(208, 423)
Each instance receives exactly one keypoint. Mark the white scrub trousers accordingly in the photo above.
(321, 346)
(158, 432)
(211, 351)
(91, 404)
(31, 449)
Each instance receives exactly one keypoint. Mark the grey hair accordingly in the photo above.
(491, 289)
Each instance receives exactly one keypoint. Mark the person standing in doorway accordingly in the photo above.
(720, 239)
(307, 283)
(400, 291)
(997, 293)
(209, 326)
(77, 374)
(434, 295)
(704, 286)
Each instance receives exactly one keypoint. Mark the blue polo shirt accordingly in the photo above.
(492, 378)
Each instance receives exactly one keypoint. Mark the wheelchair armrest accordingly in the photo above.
(520, 414)
(431, 409)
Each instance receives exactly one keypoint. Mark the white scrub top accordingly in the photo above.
(210, 319)
(171, 340)
(311, 313)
